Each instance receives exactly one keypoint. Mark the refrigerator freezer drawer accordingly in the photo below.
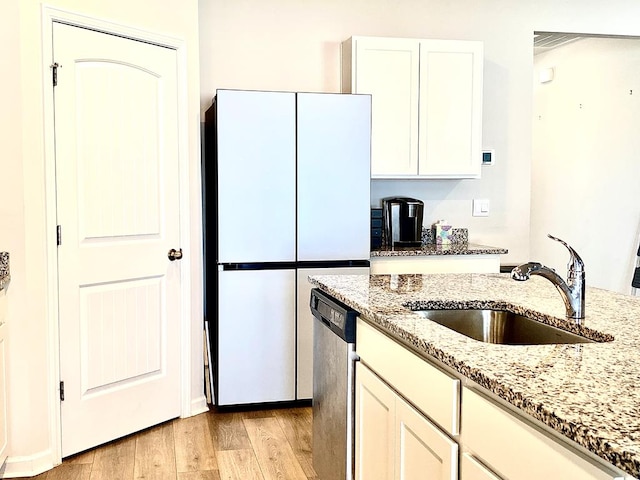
(256, 336)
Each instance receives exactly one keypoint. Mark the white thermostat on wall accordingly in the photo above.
(488, 157)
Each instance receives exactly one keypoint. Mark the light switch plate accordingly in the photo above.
(481, 207)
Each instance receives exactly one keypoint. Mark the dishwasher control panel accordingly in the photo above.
(340, 318)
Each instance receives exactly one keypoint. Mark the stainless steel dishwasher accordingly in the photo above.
(334, 357)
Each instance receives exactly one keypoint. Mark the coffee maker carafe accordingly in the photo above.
(402, 221)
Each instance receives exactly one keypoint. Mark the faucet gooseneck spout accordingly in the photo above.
(572, 291)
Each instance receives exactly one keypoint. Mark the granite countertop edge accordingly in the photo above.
(5, 277)
(566, 387)
(436, 250)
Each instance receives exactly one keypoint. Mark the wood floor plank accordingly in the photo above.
(70, 471)
(228, 431)
(155, 457)
(239, 465)
(42, 476)
(114, 460)
(274, 444)
(194, 445)
(275, 455)
(208, 475)
(296, 423)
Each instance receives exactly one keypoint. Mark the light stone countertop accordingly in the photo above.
(588, 392)
(431, 249)
(5, 277)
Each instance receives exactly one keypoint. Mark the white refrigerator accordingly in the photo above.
(286, 185)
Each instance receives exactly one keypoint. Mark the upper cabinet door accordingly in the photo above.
(450, 142)
(256, 143)
(334, 151)
(388, 69)
(427, 104)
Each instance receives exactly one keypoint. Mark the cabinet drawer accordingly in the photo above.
(516, 450)
(428, 388)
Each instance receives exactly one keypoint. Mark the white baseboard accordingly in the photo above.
(199, 405)
(29, 466)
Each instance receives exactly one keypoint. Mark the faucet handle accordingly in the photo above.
(575, 262)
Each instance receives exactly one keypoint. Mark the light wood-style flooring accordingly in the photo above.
(248, 445)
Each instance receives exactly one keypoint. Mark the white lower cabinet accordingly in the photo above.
(422, 450)
(516, 450)
(395, 441)
(375, 425)
(412, 418)
(471, 469)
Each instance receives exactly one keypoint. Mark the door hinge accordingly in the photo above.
(59, 234)
(54, 73)
(62, 391)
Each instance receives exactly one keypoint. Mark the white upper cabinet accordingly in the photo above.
(426, 104)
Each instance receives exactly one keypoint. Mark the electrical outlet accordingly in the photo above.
(481, 207)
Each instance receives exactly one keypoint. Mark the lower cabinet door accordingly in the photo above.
(422, 450)
(393, 440)
(471, 469)
(375, 427)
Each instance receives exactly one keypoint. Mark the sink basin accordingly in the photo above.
(502, 327)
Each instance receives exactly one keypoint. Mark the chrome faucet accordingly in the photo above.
(572, 291)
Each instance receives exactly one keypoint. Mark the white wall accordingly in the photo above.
(22, 205)
(586, 161)
(289, 45)
(294, 45)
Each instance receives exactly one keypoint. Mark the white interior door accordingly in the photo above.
(117, 205)
(4, 414)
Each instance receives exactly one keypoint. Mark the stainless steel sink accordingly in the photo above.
(499, 326)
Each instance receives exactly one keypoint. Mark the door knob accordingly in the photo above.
(174, 254)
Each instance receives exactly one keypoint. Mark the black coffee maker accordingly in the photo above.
(402, 221)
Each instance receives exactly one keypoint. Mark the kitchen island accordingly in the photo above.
(588, 393)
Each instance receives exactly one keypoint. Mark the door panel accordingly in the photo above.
(388, 69)
(256, 139)
(256, 332)
(375, 427)
(117, 204)
(334, 155)
(422, 450)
